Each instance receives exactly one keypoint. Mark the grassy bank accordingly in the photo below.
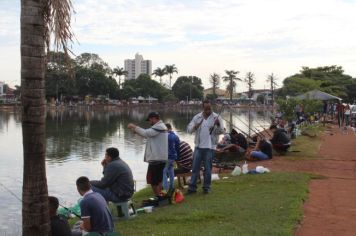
(265, 204)
(306, 146)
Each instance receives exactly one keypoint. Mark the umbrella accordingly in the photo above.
(317, 95)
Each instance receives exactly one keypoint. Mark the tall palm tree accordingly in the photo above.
(159, 72)
(171, 69)
(231, 78)
(119, 72)
(249, 80)
(215, 82)
(272, 80)
(39, 18)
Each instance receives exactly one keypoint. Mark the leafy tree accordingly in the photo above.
(231, 78)
(119, 72)
(188, 86)
(93, 61)
(329, 79)
(250, 80)
(159, 72)
(144, 86)
(95, 82)
(39, 20)
(170, 69)
(215, 82)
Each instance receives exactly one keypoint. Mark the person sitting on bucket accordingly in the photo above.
(280, 140)
(233, 142)
(117, 184)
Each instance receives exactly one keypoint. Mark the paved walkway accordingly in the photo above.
(331, 206)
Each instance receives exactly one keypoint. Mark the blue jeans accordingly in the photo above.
(200, 155)
(107, 194)
(168, 171)
(259, 155)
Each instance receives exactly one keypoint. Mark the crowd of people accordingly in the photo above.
(167, 156)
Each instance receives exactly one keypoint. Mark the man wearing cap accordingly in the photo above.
(207, 126)
(156, 152)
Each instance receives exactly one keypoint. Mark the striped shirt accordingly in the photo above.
(185, 159)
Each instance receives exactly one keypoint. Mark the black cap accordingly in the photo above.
(152, 114)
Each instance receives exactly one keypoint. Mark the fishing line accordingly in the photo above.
(13, 194)
(258, 133)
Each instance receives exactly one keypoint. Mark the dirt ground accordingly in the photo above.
(331, 206)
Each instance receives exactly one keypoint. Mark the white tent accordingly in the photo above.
(317, 95)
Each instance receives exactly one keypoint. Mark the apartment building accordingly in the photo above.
(137, 66)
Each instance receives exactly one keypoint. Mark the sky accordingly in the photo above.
(202, 37)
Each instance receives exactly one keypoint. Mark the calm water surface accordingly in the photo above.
(76, 143)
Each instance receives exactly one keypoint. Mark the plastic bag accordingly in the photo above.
(177, 196)
(236, 171)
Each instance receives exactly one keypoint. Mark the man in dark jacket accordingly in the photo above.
(117, 184)
(280, 140)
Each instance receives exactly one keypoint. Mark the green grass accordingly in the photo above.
(264, 204)
(306, 146)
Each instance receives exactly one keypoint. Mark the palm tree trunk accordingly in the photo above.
(35, 218)
(170, 81)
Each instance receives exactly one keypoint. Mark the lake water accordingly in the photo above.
(76, 143)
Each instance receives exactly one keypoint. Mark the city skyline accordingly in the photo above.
(203, 37)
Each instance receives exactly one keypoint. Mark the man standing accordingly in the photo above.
(117, 184)
(173, 152)
(156, 152)
(207, 126)
(95, 213)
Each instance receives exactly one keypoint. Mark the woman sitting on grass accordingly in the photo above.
(262, 151)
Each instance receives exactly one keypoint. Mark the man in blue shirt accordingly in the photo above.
(95, 213)
(173, 152)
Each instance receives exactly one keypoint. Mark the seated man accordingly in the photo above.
(262, 151)
(94, 210)
(117, 184)
(280, 140)
(185, 159)
(59, 225)
(234, 142)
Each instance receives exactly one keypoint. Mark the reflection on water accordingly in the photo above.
(76, 143)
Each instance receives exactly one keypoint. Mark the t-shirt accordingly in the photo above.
(185, 159)
(94, 206)
(60, 226)
(280, 137)
(204, 135)
(266, 148)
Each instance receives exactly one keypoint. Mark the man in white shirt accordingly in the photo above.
(207, 126)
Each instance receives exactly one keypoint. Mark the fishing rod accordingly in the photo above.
(213, 127)
(258, 133)
(13, 194)
(264, 129)
(241, 131)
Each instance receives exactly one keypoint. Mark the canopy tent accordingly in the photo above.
(317, 95)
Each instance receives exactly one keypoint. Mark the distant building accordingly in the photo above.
(266, 93)
(218, 92)
(137, 66)
(2, 88)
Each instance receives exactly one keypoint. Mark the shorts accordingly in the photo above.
(155, 173)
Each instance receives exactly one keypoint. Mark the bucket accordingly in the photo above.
(148, 209)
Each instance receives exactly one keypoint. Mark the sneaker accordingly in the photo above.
(189, 192)
(206, 191)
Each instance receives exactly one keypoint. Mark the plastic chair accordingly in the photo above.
(124, 210)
